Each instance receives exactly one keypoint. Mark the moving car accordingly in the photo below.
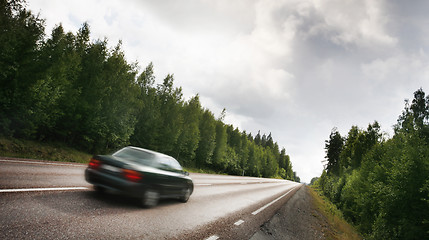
(140, 173)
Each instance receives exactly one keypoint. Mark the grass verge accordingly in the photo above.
(43, 151)
(12, 147)
(338, 226)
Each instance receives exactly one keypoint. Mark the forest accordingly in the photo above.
(381, 184)
(70, 89)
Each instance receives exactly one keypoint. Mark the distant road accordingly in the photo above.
(52, 200)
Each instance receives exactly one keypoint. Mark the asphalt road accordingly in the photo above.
(52, 200)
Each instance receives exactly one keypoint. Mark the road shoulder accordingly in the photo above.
(297, 219)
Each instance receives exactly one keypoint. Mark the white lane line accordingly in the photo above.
(203, 184)
(42, 189)
(213, 237)
(269, 204)
(239, 222)
(42, 163)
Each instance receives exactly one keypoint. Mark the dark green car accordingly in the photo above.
(140, 173)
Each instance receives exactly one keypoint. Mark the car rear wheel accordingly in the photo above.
(99, 189)
(186, 194)
(150, 198)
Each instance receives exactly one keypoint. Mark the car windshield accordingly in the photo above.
(138, 156)
(175, 164)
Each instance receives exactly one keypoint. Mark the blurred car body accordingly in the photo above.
(140, 173)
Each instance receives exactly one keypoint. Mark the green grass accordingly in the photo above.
(339, 228)
(43, 151)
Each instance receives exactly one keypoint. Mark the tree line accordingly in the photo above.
(382, 184)
(67, 88)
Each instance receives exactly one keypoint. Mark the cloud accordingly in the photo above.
(203, 17)
(359, 23)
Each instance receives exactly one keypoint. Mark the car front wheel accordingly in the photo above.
(186, 194)
(150, 198)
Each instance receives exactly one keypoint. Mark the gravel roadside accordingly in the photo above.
(297, 219)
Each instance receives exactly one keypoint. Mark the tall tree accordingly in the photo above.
(189, 138)
(258, 138)
(207, 142)
(333, 148)
(171, 102)
(252, 162)
(20, 36)
(149, 114)
(244, 153)
(119, 102)
(420, 108)
(56, 96)
(220, 151)
(416, 115)
(270, 142)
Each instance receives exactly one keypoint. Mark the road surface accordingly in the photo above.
(52, 200)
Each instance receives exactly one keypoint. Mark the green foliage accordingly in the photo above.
(170, 102)
(207, 142)
(148, 113)
(333, 148)
(65, 88)
(220, 156)
(20, 36)
(189, 138)
(382, 185)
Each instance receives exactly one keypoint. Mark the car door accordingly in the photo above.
(167, 178)
(179, 183)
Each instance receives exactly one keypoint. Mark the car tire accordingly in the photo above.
(150, 198)
(186, 194)
(99, 189)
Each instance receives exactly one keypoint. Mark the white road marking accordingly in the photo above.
(269, 204)
(239, 222)
(42, 189)
(203, 184)
(213, 237)
(42, 163)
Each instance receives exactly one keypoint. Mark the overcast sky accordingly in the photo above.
(295, 68)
